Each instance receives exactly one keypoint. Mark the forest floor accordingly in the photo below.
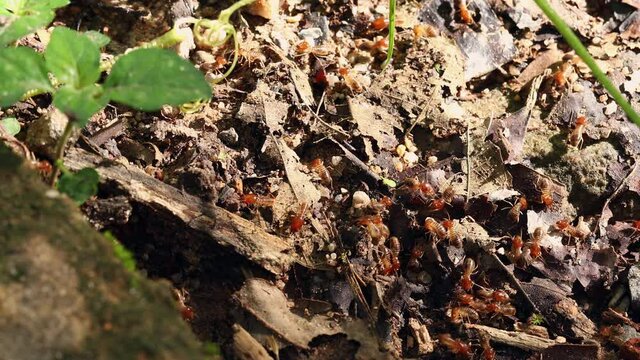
(480, 196)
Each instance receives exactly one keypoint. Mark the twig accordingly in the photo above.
(517, 339)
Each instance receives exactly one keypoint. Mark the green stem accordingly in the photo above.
(59, 151)
(575, 43)
(225, 14)
(392, 32)
(169, 39)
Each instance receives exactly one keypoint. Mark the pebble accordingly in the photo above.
(229, 136)
(360, 200)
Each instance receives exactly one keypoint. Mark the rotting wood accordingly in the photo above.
(520, 340)
(221, 226)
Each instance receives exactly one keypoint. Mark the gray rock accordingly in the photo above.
(229, 137)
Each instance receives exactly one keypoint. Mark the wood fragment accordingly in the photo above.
(217, 224)
(421, 336)
(513, 338)
(246, 347)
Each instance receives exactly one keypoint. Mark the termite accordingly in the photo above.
(379, 24)
(433, 227)
(317, 166)
(302, 47)
(502, 309)
(487, 351)
(578, 232)
(436, 205)
(457, 347)
(546, 194)
(575, 137)
(516, 210)
(463, 313)
(468, 268)
(534, 247)
(452, 234)
(419, 193)
(297, 221)
(257, 200)
(187, 313)
(390, 263)
(496, 295)
(516, 249)
(416, 254)
(376, 229)
(463, 11)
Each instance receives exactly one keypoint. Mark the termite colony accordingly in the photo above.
(411, 231)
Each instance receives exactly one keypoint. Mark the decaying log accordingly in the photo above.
(221, 226)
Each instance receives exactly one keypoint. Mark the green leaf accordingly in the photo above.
(80, 104)
(22, 17)
(25, 7)
(21, 69)
(79, 186)
(98, 38)
(73, 58)
(146, 79)
(19, 27)
(11, 125)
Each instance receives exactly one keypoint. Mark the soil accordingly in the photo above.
(452, 204)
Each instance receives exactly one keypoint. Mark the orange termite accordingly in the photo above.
(436, 205)
(463, 11)
(546, 194)
(487, 351)
(457, 347)
(317, 165)
(570, 231)
(257, 200)
(468, 268)
(575, 138)
(434, 228)
(516, 249)
(448, 194)
(462, 313)
(419, 192)
(502, 309)
(376, 229)
(379, 24)
(516, 210)
(416, 254)
(297, 221)
(389, 263)
(452, 234)
(534, 248)
(302, 47)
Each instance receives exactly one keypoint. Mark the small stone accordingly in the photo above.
(43, 134)
(411, 158)
(634, 287)
(267, 9)
(229, 137)
(610, 109)
(432, 160)
(360, 200)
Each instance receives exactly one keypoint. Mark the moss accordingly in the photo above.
(125, 322)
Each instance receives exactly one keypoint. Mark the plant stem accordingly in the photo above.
(574, 42)
(59, 151)
(392, 32)
(226, 13)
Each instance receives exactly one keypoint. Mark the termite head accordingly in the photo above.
(562, 224)
(581, 120)
(379, 24)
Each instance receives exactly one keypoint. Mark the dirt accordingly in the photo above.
(484, 210)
